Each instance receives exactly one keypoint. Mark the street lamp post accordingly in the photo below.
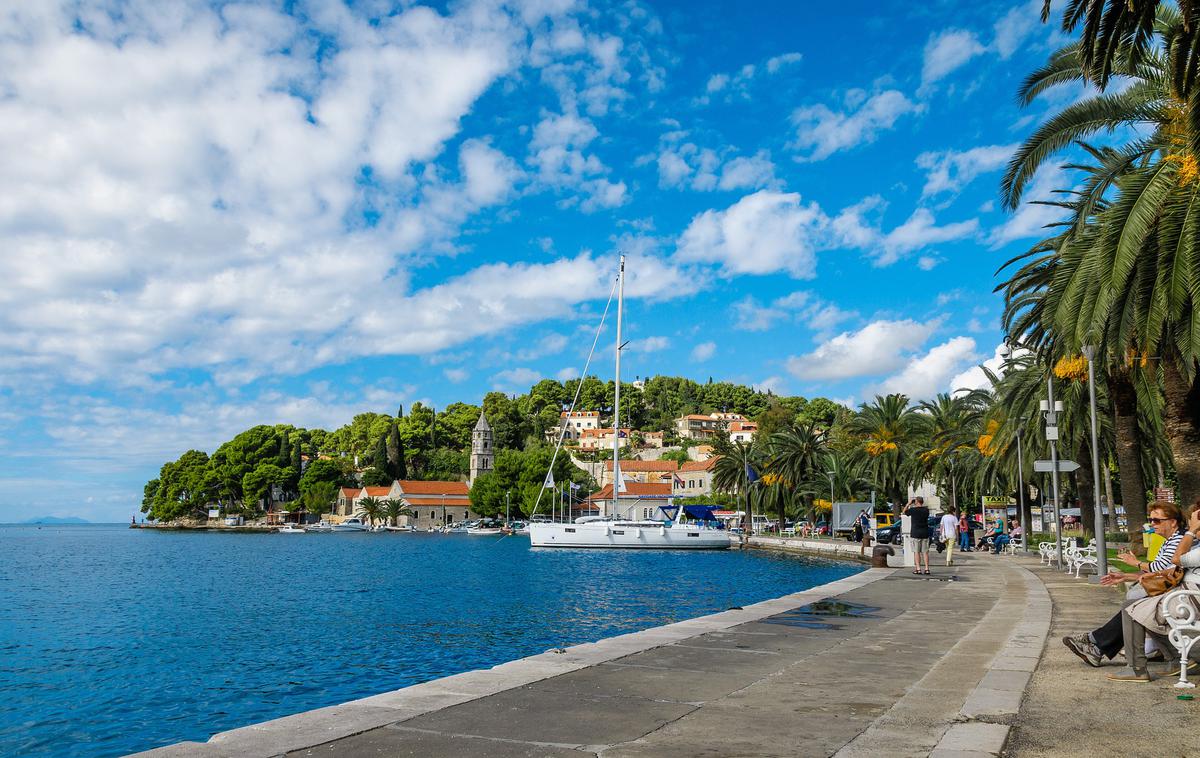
(1089, 352)
(1021, 489)
(1050, 410)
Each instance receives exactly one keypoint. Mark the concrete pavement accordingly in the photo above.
(881, 663)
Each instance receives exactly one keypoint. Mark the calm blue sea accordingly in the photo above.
(115, 640)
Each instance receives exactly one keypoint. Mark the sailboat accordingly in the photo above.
(621, 529)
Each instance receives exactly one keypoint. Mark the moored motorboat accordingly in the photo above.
(485, 527)
(352, 524)
(399, 529)
(289, 529)
(319, 527)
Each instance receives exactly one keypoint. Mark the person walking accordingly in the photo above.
(964, 533)
(918, 531)
(949, 529)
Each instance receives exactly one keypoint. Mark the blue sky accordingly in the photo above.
(216, 216)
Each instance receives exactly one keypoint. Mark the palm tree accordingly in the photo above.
(888, 430)
(370, 509)
(393, 508)
(738, 465)
(951, 426)
(796, 454)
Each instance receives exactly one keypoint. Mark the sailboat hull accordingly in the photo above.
(631, 536)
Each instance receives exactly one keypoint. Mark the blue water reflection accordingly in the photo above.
(114, 640)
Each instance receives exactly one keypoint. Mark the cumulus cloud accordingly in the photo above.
(516, 378)
(737, 85)
(456, 375)
(950, 170)
(923, 376)
(1032, 218)
(685, 165)
(558, 150)
(759, 234)
(856, 226)
(947, 51)
(974, 377)
(648, 345)
(823, 131)
(877, 348)
(703, 351)
(798, 307)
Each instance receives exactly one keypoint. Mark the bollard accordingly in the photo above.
(879, 555)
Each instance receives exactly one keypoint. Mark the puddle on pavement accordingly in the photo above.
(819, 615)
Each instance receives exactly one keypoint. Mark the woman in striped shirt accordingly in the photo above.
(1108, 640)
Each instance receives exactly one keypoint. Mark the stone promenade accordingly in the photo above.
(880, 663)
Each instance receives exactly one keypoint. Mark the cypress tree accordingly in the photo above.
(283, 457)
(379, 459)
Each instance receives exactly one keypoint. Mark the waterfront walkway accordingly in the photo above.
(881, 663)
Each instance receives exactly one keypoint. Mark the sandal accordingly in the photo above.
(916, 572)
(926, 572)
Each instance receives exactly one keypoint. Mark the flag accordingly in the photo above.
(622, 433)
(574, 486)
(621, 489)
(549, 480)
(677, 479)
(751, 475)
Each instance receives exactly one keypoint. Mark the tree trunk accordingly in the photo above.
(1129, 451)
(1182, 423)
(1087, 491)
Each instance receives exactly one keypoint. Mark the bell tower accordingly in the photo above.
(483, 453)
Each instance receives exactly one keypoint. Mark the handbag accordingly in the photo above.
(1158, 582)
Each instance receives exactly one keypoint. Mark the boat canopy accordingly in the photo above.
(697, 512)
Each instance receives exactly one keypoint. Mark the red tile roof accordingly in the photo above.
(414, 487)
(644, 465)
(377, 491)
(455, 501)
(633, 489)
(351, 491)
(699, 465)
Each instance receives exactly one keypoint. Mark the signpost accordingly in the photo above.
(1064, 467)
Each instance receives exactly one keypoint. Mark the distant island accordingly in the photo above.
(57, 520)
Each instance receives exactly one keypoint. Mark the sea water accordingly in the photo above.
(115, 640)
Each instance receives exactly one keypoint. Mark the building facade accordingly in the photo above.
(640, 500)
(694, 478)
(640, 471)
(697, 426)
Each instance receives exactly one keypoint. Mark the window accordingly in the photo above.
(570, 531)
(618, 531)
(693, 534)
(432, 515)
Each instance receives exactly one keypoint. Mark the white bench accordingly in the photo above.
(1047, 551)
(1083, 556)
(1014, 544)
(1184, 620)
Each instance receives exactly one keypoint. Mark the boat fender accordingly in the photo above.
(638, 533)
(607, 530)
(662, 531)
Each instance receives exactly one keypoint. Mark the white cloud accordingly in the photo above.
(1031, 219)
(489, 174)
(779, 61)
(950, 171)
(974, 378)
(773, 384)
(456, 375)
(853, 228)
(566, 374)
(825, 131)
(704, 351)
(946, 51)
(648, 345)
(1015, 26)
(928, 262)
(877, 348)
(748, 172)
(759, 234)
(752, 316)
(926, 375)
(557, 150)
(516, 378)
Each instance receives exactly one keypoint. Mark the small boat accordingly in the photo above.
(399, 529)
(487, 526)
(319, 527)
(352, 524)
(289, 529)
(516, 527)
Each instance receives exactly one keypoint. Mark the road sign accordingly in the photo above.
(1064, 467)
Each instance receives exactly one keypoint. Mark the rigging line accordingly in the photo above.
(579, 388)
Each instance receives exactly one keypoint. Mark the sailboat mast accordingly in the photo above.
(617, 396)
